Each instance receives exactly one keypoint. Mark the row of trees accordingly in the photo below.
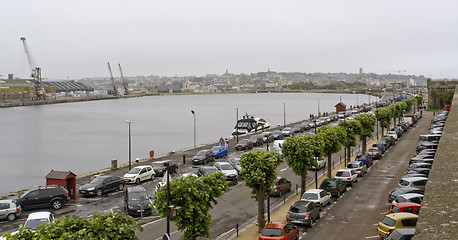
(393, 112)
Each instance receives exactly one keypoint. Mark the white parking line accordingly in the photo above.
(284, 169)
(374, 236)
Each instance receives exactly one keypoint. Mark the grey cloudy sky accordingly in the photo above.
(75, 39)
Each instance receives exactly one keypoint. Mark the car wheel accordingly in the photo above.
(121, 186)
(153, 177)
(176, 169)
(281, 193)
(11, 217)
(311, 222)
(99, 192)
(297, 234)
(56, 204)
(137, 181)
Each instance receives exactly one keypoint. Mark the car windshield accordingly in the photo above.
(312, 196)
(328, 184)
(394, 209)
(372, 150)
(352, 165)
(388, 221)
(24, 194)
(201, 153)
(298, 209)
(215, 148)
(97, 180)
(271, 232)
(33, 223)
(226, 167)
(135, 196)
(244, 141)
(134, 171)
(342, 174)
(210, 170)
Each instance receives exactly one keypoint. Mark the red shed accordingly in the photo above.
(341, 107)
(66, 179)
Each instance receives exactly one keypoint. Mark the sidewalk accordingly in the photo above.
(251, 232)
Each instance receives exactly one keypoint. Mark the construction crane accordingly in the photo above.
(123, 80)
(115, 93)
(36, 71)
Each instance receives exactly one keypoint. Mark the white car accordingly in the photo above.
(140, 173)
(318, 196)
(287, 131)
(393, 134)
(349, 176)
(321, 162)
(37, 218)
(228, 170)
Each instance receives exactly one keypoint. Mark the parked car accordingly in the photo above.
(321, 163)
(160, 167)
(137, 201)
(44, 197)
(297, 128)
(409, 197)
(10, 209)
(333, 186)
(401, 234)
(320, 197)
(244, 144)
(280, 186)
(228, 170)
(348, 176)
(358, 166)
(393, 134)
(380, 146)
(235, 162)
(37, 218)
(385, 143)
(102, 184)
(204, 156)
(267, 136)
(403, 190)
(421, 160)
(374, 153)
(396, 221)
(365, 158)
(389, 139)
(279, 230)
(257, 140)
(139, 173)
(277, 134)
(305, 125)
(414, 166)
(410, 207)
(287, 131)
(204, 170)
(303, 212)
(219, 151)
(417, 182)
(408, 175)
(424, 171)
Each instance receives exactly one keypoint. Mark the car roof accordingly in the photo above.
(275, 224)
(357, 162)
(414, 178)
(6, 201)
(138, 188)
(401, 215)
(223, 163)
(37, 215)
(314, 190)
(406, 204)
(207, 167)
(103, 176)
(345, 169)
(143, 166)
(411, 195)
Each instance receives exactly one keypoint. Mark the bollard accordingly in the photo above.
(284, 198)
(184, 159)
(296, 189)
(114, 164)
(237, 226)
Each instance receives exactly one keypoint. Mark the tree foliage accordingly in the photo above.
(101, 226)
(259, 169)
(300, 153)
(352, 128)
(383, 116)
(367, 122)
(333, 137)
(194, 197)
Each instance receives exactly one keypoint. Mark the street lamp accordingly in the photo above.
(284, 115)
(168, 194)
(237, 123)
(130, 147)
(194, 114)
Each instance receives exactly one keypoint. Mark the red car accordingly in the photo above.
(279, 230)
(244, 145)
(410, 207)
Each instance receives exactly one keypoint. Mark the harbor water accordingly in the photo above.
(85, 136)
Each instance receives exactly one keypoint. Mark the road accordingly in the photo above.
(356, 214)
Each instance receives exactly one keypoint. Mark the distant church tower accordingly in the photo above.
(360, 71)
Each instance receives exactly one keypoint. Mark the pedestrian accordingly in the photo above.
(311, 117)
(226, 145)
(221, 141)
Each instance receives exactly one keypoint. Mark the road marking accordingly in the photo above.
(284, 169)
(374, 236)
(169, 236)
(146, 224)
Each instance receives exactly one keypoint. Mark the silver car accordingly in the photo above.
(10, 210)
(359, 167)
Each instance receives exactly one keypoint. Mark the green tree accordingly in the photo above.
(333, 138)
(419, 101)
(259, 169)
(101, 226)
(409, 103)
(300, 153)
(352, 128)
(367, 122)
(194, 197)
(383, 116)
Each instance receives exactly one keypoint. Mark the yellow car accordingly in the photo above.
(395, 221)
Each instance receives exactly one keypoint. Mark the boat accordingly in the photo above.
(249, 124)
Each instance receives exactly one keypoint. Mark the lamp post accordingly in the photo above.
(284, 115)
(237, 122)
(130, 147)
(168, 198)
(194, 114)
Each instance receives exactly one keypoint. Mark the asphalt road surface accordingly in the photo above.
(356, 214)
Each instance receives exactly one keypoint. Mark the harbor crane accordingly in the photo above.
(123, 80)
(115, 93)
(36, 71)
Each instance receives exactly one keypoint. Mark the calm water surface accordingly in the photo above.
(85, 136)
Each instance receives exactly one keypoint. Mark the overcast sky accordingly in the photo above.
(76, 39)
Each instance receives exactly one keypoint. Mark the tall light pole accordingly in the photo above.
(130, 147)
(194, 114)
(284, 115)
(237, 123)
(168, 196)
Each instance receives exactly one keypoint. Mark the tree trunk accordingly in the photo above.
(260, 195)
(303, 177)
(348, 153)
(363, 143)
(329, 166)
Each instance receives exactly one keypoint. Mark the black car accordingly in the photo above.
(333, 186)
(403, 190)
(389, 139)
(160, 167)
(102, 184)
(44, 197)
(137, 201)
(257, 140)
(277, 134)
(206, 170)
(203, 156)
